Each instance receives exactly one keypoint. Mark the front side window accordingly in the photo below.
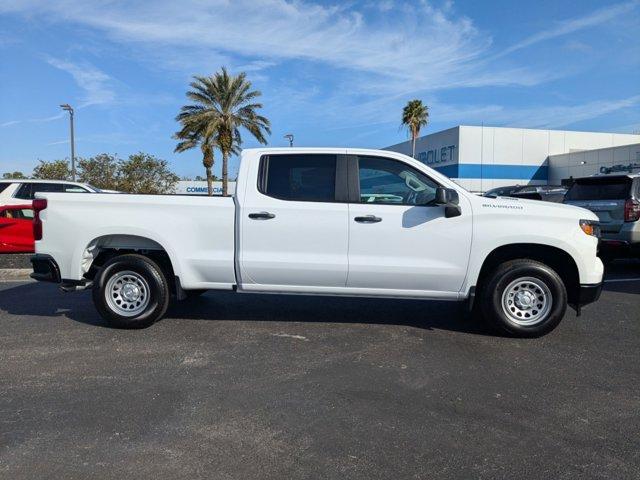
(306, 178)
(25, 213)
(387, 181)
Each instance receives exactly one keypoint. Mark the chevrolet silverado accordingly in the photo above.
(324, 221)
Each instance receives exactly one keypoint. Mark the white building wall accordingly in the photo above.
(482, 158)
(438, 150)
(497, 156)
(432, 143)
(582, 164)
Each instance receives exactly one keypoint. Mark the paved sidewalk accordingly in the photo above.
(15, 267)
(15, 260)
(14, 274)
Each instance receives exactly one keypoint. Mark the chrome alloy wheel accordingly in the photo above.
(527, 301)
(127, 293)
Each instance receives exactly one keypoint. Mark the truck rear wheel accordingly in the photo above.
(524, 298)
(131, 291)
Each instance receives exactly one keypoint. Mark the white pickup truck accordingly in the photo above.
(324, 221)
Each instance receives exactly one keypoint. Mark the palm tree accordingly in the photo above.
(191, 140)
(223, 104)
(415, 115)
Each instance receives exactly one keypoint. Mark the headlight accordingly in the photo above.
(590, 227)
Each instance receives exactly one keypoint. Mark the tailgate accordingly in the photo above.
(610, 212)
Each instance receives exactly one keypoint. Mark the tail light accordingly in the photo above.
(39, 204)
(631, 210)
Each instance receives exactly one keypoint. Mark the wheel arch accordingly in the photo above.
(556, 258)
(101, 249)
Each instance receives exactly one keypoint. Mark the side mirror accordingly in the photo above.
(446, 196)
(450, 199)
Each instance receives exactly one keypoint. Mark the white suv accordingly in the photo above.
(20, 192)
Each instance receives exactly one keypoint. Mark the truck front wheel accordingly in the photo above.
(524, 298)
(131, 291)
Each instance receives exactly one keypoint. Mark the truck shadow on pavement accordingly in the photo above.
(42, 300)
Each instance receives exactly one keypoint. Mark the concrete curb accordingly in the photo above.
(14, 274)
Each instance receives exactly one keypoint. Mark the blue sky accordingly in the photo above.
(333, 73)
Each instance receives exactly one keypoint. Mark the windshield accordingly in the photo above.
(499, 192)
(614, 188)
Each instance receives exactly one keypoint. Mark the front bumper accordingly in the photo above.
(45, 268)
(589, 293)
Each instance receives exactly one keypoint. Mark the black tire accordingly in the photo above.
(149, 276)
(512, 275)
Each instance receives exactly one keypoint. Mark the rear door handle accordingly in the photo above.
(262, 216)
(368, 219)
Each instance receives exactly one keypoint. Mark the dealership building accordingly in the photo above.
(482, 158)
(198, 187)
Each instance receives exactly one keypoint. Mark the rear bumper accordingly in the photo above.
(621, 247)
(45, 268)
(629, 234)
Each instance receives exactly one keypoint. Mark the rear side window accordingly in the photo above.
(27, 191)
(305, 178)
(617, 188)
(4, 185)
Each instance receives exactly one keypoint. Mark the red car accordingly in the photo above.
(16, 229)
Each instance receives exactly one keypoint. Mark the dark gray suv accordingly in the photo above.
(615, 199)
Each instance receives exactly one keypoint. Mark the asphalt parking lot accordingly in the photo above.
(260, 386)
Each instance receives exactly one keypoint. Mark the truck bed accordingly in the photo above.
(201, 227)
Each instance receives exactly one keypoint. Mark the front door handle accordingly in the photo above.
(262, 216)
(368, 219)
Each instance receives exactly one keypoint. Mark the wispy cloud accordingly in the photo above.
(33, 120)
(59, 142)
(412, 43)
(545, 116)
(573, 25)
(350, 63)
(407, 49)
(95, 83)
(120, 138)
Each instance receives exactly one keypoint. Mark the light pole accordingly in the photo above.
(69, 108)
(289, 136)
